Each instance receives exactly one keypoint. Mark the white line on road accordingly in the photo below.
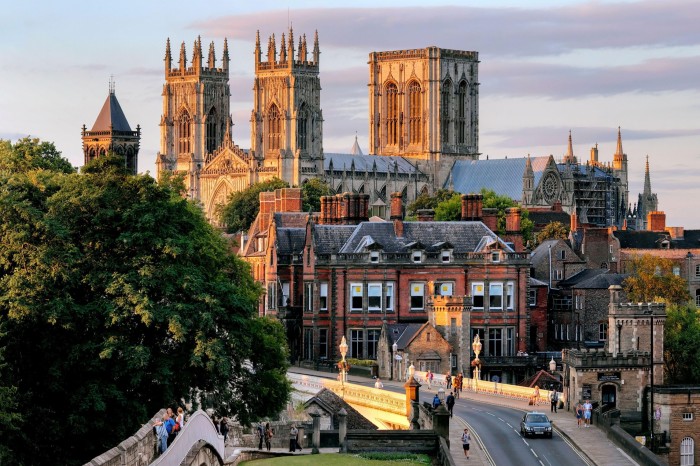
(628, 457)
(525, 442)
(491, 414)
(501, 419)
(508, 424)
(533, 452)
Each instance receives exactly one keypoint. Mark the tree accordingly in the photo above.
(242, 207)
(681, 342)
(311, 193)
(32, 154)
(652, 280)
(450, 209)
(426, 201)
(117, 298)
(491, 200)
(553, 230)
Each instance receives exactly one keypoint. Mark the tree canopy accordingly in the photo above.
(652, 280)
(553, 230)
(32, 154)
(681, 343)
(117, 298)
(311, 193)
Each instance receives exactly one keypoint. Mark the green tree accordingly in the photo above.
(652, 280)
(553, 230)
(450, 209)
(311, 193)
(117, 298)
(491, 200)
(242, 207)
(426, 201)
(681, 342)
(32, 154)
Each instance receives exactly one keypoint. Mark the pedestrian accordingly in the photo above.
(224, 428)
(161, 434)
(268, 436)
(180, 419)
(293, 438)
(429, 378)
(378, 383)
(260, 432)
(466, 439)
(554, 401)
(450, 402)
(587, 408)
(448, 380)
(436, 401)
(536, 396)
(170, 426)
(579, 415)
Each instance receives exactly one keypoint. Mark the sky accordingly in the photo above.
(546, 68)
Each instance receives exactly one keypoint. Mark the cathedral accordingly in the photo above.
(423, 135)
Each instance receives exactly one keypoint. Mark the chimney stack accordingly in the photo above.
(426, 215)
(490, 218)
(472, 206)
(513, 220)
(574, 222)
(656, 221)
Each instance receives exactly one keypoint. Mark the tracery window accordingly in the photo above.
(185, 134)
(446, 110)
(274, 128)
(302, 127)
(415, 111)
(392, 114)
(211, 131)
(462, 113)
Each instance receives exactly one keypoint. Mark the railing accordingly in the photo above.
(430, 258)
(199, 427)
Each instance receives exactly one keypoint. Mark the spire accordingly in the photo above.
(290, 47)
(197, 53)
(528, 167)
(168, 58)
(619, 142)
(183, 58)
(211, 62)
(619, 157)
(569, 157)
(224, 58)
(271, 51)
(647, 180)
(594, 155)
(283, 50)
(317, 51)
(227, 134)
(356, 147)
(257, 52)
(302, 50)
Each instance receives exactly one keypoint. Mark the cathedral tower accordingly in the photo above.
(112, 133)
(286, 122)
(620, 170)
(195, 115)
(647, 202)
(424, 104)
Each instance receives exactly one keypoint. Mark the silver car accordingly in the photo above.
(535, 424)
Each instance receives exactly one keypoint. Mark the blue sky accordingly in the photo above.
(547, 67)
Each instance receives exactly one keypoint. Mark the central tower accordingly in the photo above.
(286, 123)
(424, 105)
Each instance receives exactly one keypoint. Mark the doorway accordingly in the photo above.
(609, 396)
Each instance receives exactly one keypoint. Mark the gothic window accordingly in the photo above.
(446, 110)
(462, 113)
(687, 451)
(211, 131)
(302, 122)
(185, 134)
(392, 114)
(415, 111)
(274, 128)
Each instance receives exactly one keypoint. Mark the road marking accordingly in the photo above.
(502, 420)
(543, 463)
(533, 452)
(478, 440)
(508, 424)
(576, 450)
(525, 442)
(628, 457)
(491, 414)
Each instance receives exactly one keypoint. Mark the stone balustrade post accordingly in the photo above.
(316, 439)
(412, 393)
(414, 416)
(342, 429)
(441, 422)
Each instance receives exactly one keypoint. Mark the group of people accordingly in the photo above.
(455, 382)
(266, 433)
(167, 427)
(221, 425)
(583, 413)
(449, 402)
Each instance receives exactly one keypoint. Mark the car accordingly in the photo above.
(535, 424)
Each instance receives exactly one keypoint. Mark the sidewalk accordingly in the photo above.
(592, 442)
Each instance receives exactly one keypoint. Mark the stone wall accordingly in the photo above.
(680, 418)
(413, 441)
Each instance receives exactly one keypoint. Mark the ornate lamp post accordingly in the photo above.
(476, 346)
(343, 351)
(394, 349)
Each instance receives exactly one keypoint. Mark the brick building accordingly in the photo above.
(554, 260)
(677, 410)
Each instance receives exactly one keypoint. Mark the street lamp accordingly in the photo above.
(343, 351)
(476, 346)
(552, 365)
(394, 349)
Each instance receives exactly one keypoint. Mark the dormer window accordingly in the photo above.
(374, 257)
(445, 257)
(665, 244)
(495, 256)
(417, 257)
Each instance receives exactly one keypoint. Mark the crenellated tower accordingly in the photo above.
(112, 133)
(286, 121)
(196, 116)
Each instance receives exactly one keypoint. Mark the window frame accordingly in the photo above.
(389, 297)
(357, 341)
(603, 331)
(323, 343)
(376, 286)
(510, 296)
(448, 285)
(476, 293)
(323, 296)
(494, 296)
(414, 287)
(354, 296)
(532, 297)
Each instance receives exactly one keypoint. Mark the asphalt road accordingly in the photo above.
(499, 429)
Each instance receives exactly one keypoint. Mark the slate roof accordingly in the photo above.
(384, 163)
(504, 176)
(291, 219)
(581, 277)
(290, 240)
(402, 334)
(603, 281)
(631, 239)
(541, 252)
(112, 116)
(545, 217)
(536, 282)
(431, 236)
(334, 403)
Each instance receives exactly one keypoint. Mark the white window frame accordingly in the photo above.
(309, 297)
(445, 257)
(374, 290)
(495, 256)
(510, 296)
(417, 289)
(417, 257)
(677, 270)
(323, 296)
(444, 288)
(285, 294)
(495, 294)
(532, 297)
(374, 257)
(687, 448)
(603, 331)
(356, 290)
(478, 290)
(687, 416)
(389, 297)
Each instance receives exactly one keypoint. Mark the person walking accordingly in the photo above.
(448, 380)
(429, 378)
(293, 438)
(378, 383)
(224, 428)
(579, 415)
(587, 408)
(466, 439)
(536, 396)
(261, 436)
(450, 402)
(554, 401)
(436, 401)
(268, 436)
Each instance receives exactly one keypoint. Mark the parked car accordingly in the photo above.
(535, 424)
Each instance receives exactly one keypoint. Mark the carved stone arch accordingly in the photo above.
(424, 190)
(224, 187)
(414, 100)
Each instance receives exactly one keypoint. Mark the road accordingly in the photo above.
(499, 430)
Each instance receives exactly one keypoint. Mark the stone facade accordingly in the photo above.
(679, 410)
(555, 260)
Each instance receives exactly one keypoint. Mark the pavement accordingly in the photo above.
(592, 443)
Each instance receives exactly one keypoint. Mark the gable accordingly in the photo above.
(226, 161)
